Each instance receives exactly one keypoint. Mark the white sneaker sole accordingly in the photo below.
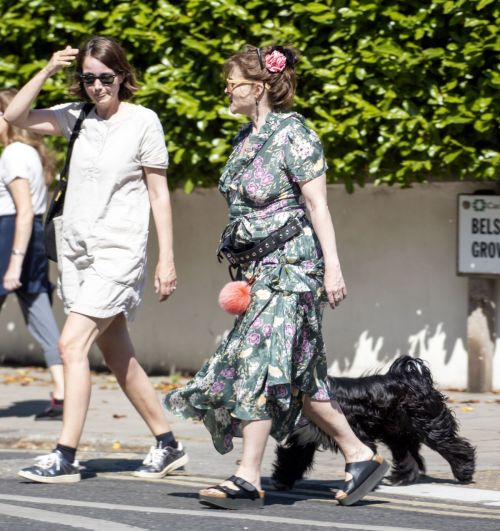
(184, 460)
(67, 478)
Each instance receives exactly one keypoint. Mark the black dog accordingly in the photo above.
(401, 409)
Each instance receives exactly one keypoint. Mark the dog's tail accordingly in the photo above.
(413, 370)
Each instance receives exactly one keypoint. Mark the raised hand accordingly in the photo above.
(60, 60)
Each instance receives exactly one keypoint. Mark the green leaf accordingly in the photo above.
(483, 3)
(188, 186)
(398, 91)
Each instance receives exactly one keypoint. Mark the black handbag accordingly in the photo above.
(57, 203)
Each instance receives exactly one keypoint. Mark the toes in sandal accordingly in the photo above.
(246, 496)
(366, 475)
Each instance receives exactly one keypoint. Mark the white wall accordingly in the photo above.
(398, 249)
(398, 252)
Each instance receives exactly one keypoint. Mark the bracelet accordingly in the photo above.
(18, 252)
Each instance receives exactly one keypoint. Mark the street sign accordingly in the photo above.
(478, 251)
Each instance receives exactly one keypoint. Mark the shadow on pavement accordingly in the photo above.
(27, 408)
(275, 498)
(95, 466)
(305, 490)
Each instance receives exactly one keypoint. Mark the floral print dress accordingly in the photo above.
(274, 353)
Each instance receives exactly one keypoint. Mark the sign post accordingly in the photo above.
(478, 257)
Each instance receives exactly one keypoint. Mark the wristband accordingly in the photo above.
(18, 252)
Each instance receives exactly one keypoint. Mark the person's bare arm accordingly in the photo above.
(19, 111)
(21, 195)
(315, 196)
(165, 279)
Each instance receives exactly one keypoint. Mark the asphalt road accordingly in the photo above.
(110, 499)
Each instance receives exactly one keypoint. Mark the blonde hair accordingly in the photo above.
(16, 134)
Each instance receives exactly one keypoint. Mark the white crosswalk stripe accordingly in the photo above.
(52, 517)
(307, 524)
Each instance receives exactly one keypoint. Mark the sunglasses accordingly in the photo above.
(231, 84)
(105, 79)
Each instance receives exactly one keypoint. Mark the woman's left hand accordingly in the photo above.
(11, 279)
(334, 285)
(165, 280)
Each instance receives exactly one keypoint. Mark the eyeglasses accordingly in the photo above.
(105, 79)
(231, 84)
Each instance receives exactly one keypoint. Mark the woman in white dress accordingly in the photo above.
(117, 173)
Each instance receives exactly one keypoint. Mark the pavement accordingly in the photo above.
(114, 433)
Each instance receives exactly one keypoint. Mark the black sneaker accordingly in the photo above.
(52, 468)
(161, 461)
(54, 411)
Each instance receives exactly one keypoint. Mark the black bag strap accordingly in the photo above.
(87, 107)
(267, 142)
(58, 199)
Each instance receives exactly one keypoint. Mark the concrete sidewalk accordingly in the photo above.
(115, 431)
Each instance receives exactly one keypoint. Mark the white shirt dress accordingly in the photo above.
(104, 230)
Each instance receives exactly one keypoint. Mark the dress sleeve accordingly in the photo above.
(67, 115)
(304, 156)
(153, 151)
(15, 163)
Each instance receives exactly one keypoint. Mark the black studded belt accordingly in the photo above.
(266, 246)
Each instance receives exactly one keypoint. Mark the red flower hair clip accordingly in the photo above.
(275, 61)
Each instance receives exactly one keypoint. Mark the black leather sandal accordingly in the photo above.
(366, 475)
(245, 497)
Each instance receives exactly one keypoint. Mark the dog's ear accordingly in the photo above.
(412, 370)
(415, 364)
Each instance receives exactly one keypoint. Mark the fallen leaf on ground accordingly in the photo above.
(116, 445)
(116, 416)
(467, 409)
(21, 379)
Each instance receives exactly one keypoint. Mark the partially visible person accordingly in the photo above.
(117, 176)
(26, 169)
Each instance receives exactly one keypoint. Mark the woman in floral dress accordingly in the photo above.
(272, 367)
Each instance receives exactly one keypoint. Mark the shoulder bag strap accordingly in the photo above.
(87, 107)
(283, 124)
(57, 202)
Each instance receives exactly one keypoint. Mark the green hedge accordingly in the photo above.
(399, 91)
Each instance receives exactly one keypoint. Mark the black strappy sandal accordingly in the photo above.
(246, 497)
(366, 475)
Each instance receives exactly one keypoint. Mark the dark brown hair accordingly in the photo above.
(16, 134)
(280, 85)
(109, 52)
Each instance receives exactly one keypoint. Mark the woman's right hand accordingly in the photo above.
(60, 60)
(11, 279)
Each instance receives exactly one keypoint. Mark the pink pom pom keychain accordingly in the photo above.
(235, 296)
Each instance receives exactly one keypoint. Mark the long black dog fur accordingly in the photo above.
(401, 409)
